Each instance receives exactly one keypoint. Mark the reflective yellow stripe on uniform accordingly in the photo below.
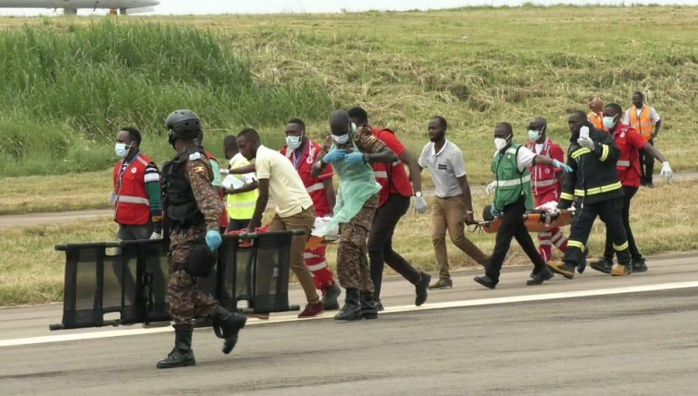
(576, 244)
(604, 152)
(619, 248)
(598, 190)
(566, 196)
(579, 152)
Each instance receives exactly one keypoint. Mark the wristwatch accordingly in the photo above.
(418, 194)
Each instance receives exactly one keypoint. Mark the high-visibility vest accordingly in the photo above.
(131, 200)
(511, 184)
(597, 120)
(643, 124)
(241, 206)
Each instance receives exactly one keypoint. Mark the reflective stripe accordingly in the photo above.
(314, 187)
(248, 204)
(544, 234)
(380, 174)
(151, 177)
(576, 244)
(133, 200)
(621, 247)
(317, 267)
(623, 164)
(514, 182)
(604, 152)
(545, 183)
(142, 161)
(545, 243)
(557, 236)
(579, 152)
(598, 190)
(566, 196)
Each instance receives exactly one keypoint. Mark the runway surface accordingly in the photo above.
(592, 335)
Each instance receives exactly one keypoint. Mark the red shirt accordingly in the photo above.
(630, 142)
(544, 177)
(392, 177)
(313, 185)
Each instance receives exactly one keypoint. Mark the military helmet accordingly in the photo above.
(183, 124)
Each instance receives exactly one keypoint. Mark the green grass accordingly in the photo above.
(32, 272)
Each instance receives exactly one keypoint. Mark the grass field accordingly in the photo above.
(32, 272)
(71, 82)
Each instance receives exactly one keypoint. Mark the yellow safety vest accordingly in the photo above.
(241, 206)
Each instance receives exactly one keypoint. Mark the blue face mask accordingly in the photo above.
(121, 149)
(533, 135)
(293, 142)
(609, 122)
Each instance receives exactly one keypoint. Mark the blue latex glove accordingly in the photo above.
(354, 158)
(495, 212)
(561, 165)
(213, 239)
(334, 156)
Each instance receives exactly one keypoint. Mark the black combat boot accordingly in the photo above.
(181, 354)
(369, 310)
(230, 323)
(352, 307)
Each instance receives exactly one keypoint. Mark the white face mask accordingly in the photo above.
(609, 122)
(293, 142)
(534, 135)
(500, 143)
(121, 150)
(340, 139)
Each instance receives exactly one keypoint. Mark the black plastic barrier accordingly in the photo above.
(129, 279)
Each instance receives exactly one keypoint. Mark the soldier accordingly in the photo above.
(351, 155)
(193, 209)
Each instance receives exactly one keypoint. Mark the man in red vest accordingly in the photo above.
(394, 201)
(303, 153)
(631, 145)
(546, 182)
(136, 194)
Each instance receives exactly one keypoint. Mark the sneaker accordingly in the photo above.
(622, 270)
(329, 297)
(565, 269)
(540, 277)
(312, 310)
(441, 284)
(420, 289)
(603, 265)
(486, 281)
(639, 265)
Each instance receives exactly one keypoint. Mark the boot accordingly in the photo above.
(230, 323)
(181, 354)
(330, 296)
(369, 310)
(352, 307)
(421, 289)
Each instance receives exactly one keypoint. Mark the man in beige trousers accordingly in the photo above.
(452, 205)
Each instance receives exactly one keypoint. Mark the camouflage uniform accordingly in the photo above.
(186, 301)
(352, 253)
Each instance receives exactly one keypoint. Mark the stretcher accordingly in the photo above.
(535, 221)
(313, 241)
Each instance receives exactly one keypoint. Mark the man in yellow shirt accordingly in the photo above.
(294, 210)
(241, 190)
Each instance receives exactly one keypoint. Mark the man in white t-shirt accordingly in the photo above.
(294, 208)
(452, 204)
(646, 121)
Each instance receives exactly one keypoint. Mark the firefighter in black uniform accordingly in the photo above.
(594, 182)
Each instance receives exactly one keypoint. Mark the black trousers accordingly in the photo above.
(625, 215)
(610, 213)
(380, 243)
(513, 226)
(647, 165)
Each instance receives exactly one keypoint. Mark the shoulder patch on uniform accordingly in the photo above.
(194, 156)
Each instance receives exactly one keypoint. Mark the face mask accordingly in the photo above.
(293, 142)
(340, 139)
(121, 150)
(534, 135)
(609, 122)
(500, 143)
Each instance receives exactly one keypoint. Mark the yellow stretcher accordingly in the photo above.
(536, 221)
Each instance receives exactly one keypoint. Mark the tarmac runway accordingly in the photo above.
(593, 335)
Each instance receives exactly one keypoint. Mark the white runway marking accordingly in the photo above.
(282, 318)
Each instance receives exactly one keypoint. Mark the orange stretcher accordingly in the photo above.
(312, 243)
(536, 221)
